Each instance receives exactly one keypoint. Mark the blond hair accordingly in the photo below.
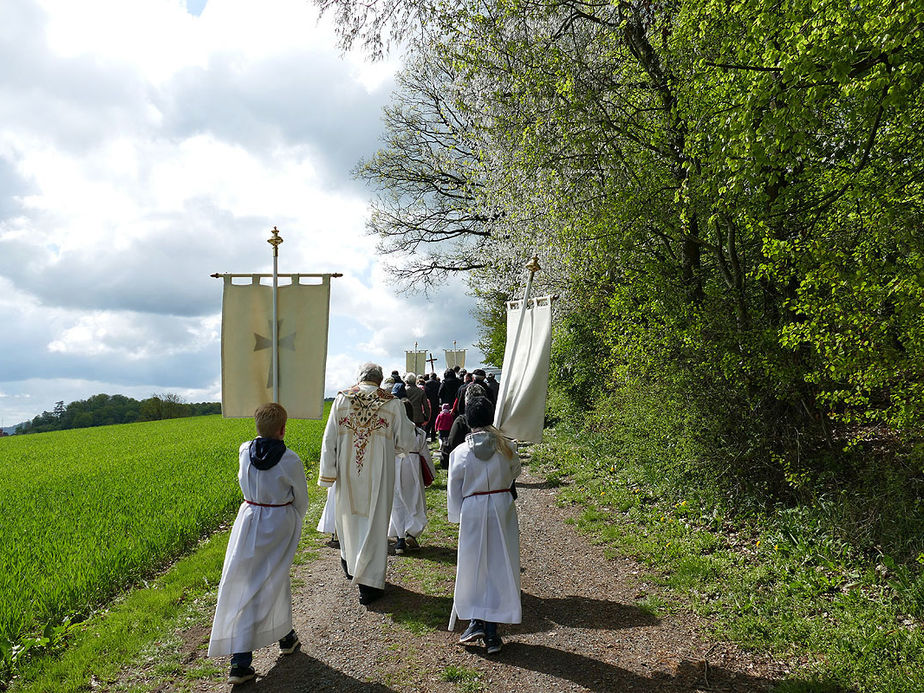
(504, 445)
(270, 418)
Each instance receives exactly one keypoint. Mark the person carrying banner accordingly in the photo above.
(365, 428)
(255, 594)
(481, 473)
(432, 390)
(409, 509)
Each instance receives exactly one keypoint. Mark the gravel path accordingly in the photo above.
(582, 630)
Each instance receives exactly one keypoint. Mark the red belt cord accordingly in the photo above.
(487, 493)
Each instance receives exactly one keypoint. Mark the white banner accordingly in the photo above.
(455, 357)
(416, 362)
(520, 412)
(247, 345)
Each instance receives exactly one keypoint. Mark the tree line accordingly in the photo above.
(103, 410)
(726, 196)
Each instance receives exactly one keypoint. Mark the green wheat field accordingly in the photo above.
(86, 513)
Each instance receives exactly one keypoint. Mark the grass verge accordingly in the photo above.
(778, 582)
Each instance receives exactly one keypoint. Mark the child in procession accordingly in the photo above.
(255, 595)
(444, 423)
(481, 473)
(409, 508)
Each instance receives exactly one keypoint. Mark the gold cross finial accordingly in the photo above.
(533, 264)
(275, 241)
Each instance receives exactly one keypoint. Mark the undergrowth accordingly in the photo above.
(796, 579)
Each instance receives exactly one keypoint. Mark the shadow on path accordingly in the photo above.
(301, 673)
(600, 676)
(580, 612)
(539, 615)
(413, 608)
(556, 483)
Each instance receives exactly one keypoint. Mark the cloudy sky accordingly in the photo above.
(147, 144)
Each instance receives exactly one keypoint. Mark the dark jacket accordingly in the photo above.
(457, 433)
(449, 388)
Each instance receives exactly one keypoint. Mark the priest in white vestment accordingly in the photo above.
(479, 498)
(365, 428)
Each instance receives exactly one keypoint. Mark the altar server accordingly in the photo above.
(409, 509)
(481, 472)
(255, 595)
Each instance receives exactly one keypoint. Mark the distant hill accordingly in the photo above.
(104, 410)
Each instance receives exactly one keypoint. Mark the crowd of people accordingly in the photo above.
(376, 463)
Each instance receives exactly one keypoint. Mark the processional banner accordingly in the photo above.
(520, 411)
(303, 312)
(416, 361)
(455, 357)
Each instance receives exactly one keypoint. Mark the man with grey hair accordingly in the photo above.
(417, 398)
(365, 427)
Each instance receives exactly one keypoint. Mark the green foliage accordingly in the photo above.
(725, 195)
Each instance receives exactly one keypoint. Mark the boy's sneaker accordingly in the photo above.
(400, 546)
(289, 644)
(411, 542)
(493, 644)
(473, 633)
(240, 674)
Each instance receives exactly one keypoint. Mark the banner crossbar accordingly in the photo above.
(221, 275)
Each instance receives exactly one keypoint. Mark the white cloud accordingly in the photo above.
(143, 148)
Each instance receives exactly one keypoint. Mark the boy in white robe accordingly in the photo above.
(409, 508)
(255, 594)
(481, 473)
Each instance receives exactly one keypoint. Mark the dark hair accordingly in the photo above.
(479, 412)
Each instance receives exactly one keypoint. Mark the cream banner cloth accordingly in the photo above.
(455, 357)
(520, 411)
(416, 362)
(247, 345)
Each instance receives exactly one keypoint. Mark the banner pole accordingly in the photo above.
(533, 267)
(275, 241)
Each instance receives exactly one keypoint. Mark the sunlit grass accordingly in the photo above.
(84, 513)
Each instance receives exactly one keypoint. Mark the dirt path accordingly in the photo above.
(582, 628)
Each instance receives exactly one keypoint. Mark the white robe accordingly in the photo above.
(488, 560)
(328, 520)
(358, 452)
(255, 594)
(409, 509)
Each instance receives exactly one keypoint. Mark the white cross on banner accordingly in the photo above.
(247, 340)
(520, 412)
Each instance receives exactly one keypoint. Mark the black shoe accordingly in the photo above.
(493, 644)
(412, 543)
(345, 571)
(334, 542)
(400, 546)
(473, 633)
(240, 675)
(289, 644)
(367, 594)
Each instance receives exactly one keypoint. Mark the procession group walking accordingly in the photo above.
(376, 464)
